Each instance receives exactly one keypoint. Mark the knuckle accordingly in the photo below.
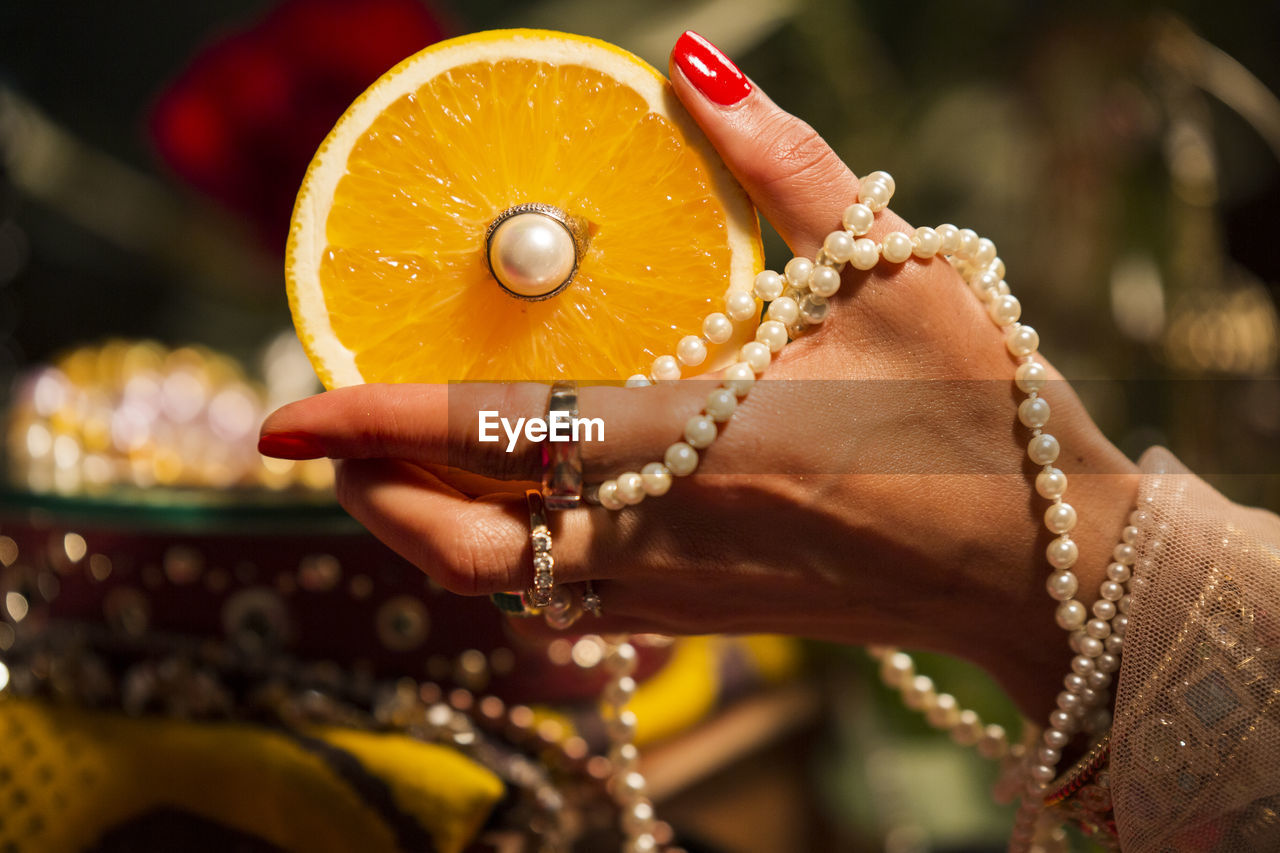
(792, 151)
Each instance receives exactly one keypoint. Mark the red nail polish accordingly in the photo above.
(709, 70)
(290, 445)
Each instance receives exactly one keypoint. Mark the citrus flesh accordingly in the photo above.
(387, 259)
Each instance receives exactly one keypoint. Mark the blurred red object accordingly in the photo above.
(242, 121)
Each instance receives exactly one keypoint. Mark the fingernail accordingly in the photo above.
(709, 70)
(290, 445)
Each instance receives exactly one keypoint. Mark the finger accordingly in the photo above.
(441, 425)
(471, 547)
(791, 174)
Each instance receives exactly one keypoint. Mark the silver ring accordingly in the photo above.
(544, 581)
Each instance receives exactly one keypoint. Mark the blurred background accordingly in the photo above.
(1126, 162)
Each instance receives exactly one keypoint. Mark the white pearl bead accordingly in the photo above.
(797, 271)
(665, 369)
(945, 712)
(681, 459)
(897, 247)
(1099, 680)
(1124, 553)
(968, 729)
(984, 252)
(874, 195)
(1063, 721)
(630, 488)
(824, 281)
(691, 350)
(994, 743)
(783, 309)
(918, 694)
(757, 355)
(1048, 755)
(1030, 376)
(1115, 643)
(984, 285)
(700, 431)
(968, 243)
(897, 669)
(1118, 572)
(772, 334)
(1082, 665)
(1062, 586)
(1070, 615)
(1033, 412)
(1119, 626)
(1099, 629)
(813, 308)
(997, 267)
(1042, 773)
(608, 495)
(637, 380)
(1107, 662)
(1002, 287)
(858, 218)
(1090, 696)
(1060, 517)
(532, 254)
(1051, 483)
(1055, 739)
(1022, 340)
(950, 238)
(1005, 310)
(717, 328)
(927, 242)
(1090, 647)
(1123, 605)
(838, 246)
(740, 305)
(1062, 553)
(866, 254)
(721, 404)
(1043, 449)
(1139, 518)
(1074, 683)
(1073, 640)
(657, 479)
(884, 178)
(1104, 609)
(768, 285)
(1111, 591)
(1068, 701)
(1130, 535)
(738, 378)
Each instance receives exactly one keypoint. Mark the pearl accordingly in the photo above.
(665, 369)
(918, 693)
(1062, 586)
(1107, 662)
(740, 305)
(874, 195)
(1005, 310)
(783, 309)
(897, 669)
(1033, 412)
(1124, 553)
(1120, 625)
(897, 247)
(997, 267)
(967, 729)
(1042, 449)
(1099, 629)
(721, 404)
(858, 218)
(1118, 572)
(945, 712)
(1022, 340)
(1051, 483)
(984, 252)
(768, 284)
(927, 242)
(1055, 739)
(1030, 377)
(838, 246)
(1123, 605)
(1062, 721)
(772, 334)
(1090, 696)
(1060, 517)
(1130, 535)
(1114, 643)
(1082, 665)
(866, 254)
(717, 328)
(532, 254)
(1104, 609)
(884, 178)
(994, 743)
(1090, 647)
(1099, 679)
(757, 355)
(691, 350)
(797, 271)
(1062, 553)
(1048, 755)
(950, 238)
(1070, 615)
(984, 285)
(700, 431)
(608, 495)
(657, 479)
(813, 308)
(630, 488)
(968, 243)
(1074, 683)
(681, 459)
(1139, 518)
(1068, 701)
(824, 281)
(738, 378)
(637, 380)
(1042, 773)
(1073, 640)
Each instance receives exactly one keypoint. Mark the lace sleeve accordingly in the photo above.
(1195, 763)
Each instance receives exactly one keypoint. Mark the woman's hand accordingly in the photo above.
(873, 487)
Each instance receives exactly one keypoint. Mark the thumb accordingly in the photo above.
(790, 172)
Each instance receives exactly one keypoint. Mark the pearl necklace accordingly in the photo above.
(798, 299)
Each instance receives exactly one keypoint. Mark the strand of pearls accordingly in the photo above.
(627, 784)
(797, 299)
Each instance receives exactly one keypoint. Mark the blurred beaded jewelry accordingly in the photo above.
(798, 299)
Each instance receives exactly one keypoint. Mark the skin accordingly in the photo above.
(880, 508)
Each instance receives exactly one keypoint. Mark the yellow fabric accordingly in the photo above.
(67, 776)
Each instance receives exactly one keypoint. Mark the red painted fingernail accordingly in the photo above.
(290, 445)
(709, 70)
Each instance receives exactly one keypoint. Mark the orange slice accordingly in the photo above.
(391, 273)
